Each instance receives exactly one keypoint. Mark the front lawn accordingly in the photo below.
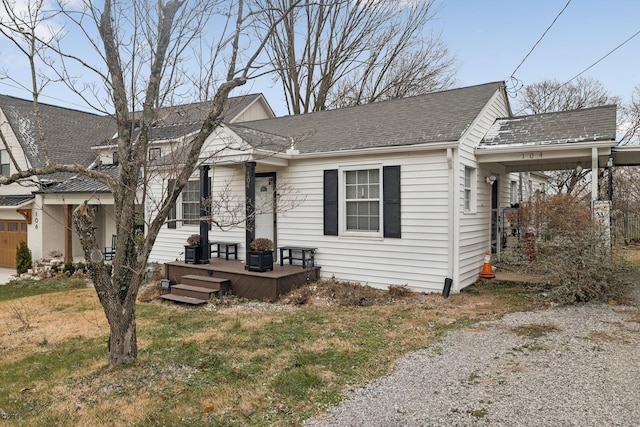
(229, 363)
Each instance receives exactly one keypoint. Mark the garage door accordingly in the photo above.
(11, 233)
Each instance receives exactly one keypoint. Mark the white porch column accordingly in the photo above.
(594, 173)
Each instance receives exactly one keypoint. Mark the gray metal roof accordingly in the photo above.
(17, 200)
(584, 125)
(69, 134)
(434, 117)
(81, 183)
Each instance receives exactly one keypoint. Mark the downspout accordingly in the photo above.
(453, 221)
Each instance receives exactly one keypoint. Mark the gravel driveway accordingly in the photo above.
(582, 370)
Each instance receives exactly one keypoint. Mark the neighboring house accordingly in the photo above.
(31, 210)
(400, 192)
(38, 211)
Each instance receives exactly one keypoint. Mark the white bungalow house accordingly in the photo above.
(401, 192)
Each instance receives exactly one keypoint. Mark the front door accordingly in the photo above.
(265, 206)
(11, 233)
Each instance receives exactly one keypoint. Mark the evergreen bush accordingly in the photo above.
(23, 258)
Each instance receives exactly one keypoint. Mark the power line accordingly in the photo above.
(602, 58)
(540, 39)
(84, 107)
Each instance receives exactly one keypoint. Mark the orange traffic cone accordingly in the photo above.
(487, 270)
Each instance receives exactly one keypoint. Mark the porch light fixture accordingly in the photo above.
(578, 168)
(490, 179)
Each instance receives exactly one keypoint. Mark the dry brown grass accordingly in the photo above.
(51, 318)
(156, 392)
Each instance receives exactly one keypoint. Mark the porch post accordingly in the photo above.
(205, 196)
(250, 196)
(68, 227)
(594, 173)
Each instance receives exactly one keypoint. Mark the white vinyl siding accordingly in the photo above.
(474, 231)
(419, 259)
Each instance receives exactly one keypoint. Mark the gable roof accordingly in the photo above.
(177, 121)
(69, 133)
(564, 127)
(434, 117)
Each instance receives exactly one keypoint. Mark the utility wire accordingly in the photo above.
(602, 58)
(541, 37)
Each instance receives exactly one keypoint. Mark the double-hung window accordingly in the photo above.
(5, 169)
(469, 192)
(362, 200)
(191, 203)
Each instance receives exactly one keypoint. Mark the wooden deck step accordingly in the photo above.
(183, 299)
(192, 291)
(205, 281)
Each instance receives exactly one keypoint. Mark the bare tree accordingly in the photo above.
(336, 53)
(136, 52)
(550, 96)
(630, 119)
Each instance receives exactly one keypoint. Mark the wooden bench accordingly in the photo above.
(230, 248)
(307, 255)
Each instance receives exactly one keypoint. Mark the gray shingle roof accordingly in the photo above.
(434, 117)
(179, 120)
(69, 133)
(588, 124)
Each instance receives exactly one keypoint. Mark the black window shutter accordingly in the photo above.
(391, 201)
(330, 200)
(172, 213)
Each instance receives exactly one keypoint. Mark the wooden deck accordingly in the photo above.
(265, 286)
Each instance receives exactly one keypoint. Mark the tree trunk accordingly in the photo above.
(123, 345)
(117, 292)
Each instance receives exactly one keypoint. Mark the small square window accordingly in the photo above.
(154, 153)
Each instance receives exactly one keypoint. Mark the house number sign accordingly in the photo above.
(532, 155)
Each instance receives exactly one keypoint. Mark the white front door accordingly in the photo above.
(265, 207)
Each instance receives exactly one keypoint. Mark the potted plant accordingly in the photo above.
(192, 249)
(260, 255)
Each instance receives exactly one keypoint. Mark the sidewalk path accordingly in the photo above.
(6, 275)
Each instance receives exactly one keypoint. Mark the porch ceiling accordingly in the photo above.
(628, 155)
(528, 158)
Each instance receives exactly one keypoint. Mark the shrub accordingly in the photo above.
(193, 240)
(69, 268)
(261, 244)
(23, 258)
(569, 248)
